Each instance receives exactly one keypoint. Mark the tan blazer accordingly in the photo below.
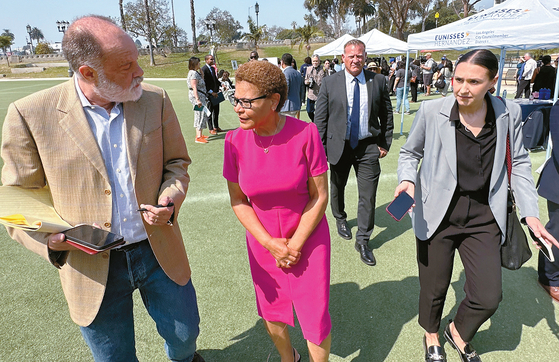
(46, 139)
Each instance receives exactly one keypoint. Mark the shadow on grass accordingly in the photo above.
(364, 321)
(392, 228)
(251, 345)
(397, 135)
(369, 320)
(524, 303)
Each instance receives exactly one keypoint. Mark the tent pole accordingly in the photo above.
(501, 68)
(555, 95)
(405, 91)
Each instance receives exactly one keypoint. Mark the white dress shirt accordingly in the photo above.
(363, 104)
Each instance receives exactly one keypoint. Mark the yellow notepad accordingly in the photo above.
(30, 210)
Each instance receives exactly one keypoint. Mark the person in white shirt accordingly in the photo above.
(524, 83)
(428, 73)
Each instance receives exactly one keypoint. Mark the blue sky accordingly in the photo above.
(43, 14)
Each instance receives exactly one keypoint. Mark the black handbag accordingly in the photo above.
(440, 83)
(515, 251)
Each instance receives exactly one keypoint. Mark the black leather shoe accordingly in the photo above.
(366, 254)
(469, 355)
(433, 353)
(197, 358)
(343, 229)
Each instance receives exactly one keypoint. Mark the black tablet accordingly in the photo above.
(93, 238)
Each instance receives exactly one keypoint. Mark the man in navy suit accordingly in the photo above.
(354, 118)
(295, 87)
(212, 88)
(548, 272)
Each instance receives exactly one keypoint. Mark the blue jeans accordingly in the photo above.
(399, 96)
(173, 308)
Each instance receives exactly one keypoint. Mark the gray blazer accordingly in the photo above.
(432, 139)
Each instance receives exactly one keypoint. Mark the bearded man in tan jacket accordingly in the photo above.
(107, 145)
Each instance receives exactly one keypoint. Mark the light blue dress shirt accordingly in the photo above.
(110, 134)
(363, 104)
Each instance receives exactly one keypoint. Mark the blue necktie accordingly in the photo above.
(354, 118)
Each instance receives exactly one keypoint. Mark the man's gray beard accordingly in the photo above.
(115, 93)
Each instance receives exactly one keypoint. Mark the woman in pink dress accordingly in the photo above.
(275, 168)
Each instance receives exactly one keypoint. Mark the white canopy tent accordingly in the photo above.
(336, 47)
(377, 42)
(514, 24)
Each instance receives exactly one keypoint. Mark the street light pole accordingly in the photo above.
(28, 42)
(256, 10)
(62, 27)
(28, 27)
(211, 26)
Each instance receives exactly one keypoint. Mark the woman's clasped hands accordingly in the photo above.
(284, 255)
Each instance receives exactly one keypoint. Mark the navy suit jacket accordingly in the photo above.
(550, 175)
(295, 90)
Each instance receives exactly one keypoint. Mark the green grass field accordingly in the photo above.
(374, 309)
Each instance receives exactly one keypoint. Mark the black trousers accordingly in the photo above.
(310, 108)
(523, 87)
(479, 248)
(213, 119)
(413, 88)
(391, 81)
(365, 161)
(548, 272)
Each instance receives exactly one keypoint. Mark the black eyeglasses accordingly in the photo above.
(246, 103)
(253, 57)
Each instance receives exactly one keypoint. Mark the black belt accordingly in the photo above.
(131, 246)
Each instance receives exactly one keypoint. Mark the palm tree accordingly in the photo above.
(5, 43)
(150, 36)
(255, 32)
(193, 25)
(37, 34)
(122, 20)
(10, 35)
(306, 33)
(362, 9)
(175, 41)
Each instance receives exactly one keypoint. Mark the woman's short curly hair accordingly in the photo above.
(265, 76)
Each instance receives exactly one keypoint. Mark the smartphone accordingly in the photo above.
(545, 248)
(400, 205)
(91, 239)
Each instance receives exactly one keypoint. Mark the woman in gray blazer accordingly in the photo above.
(460, 195)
